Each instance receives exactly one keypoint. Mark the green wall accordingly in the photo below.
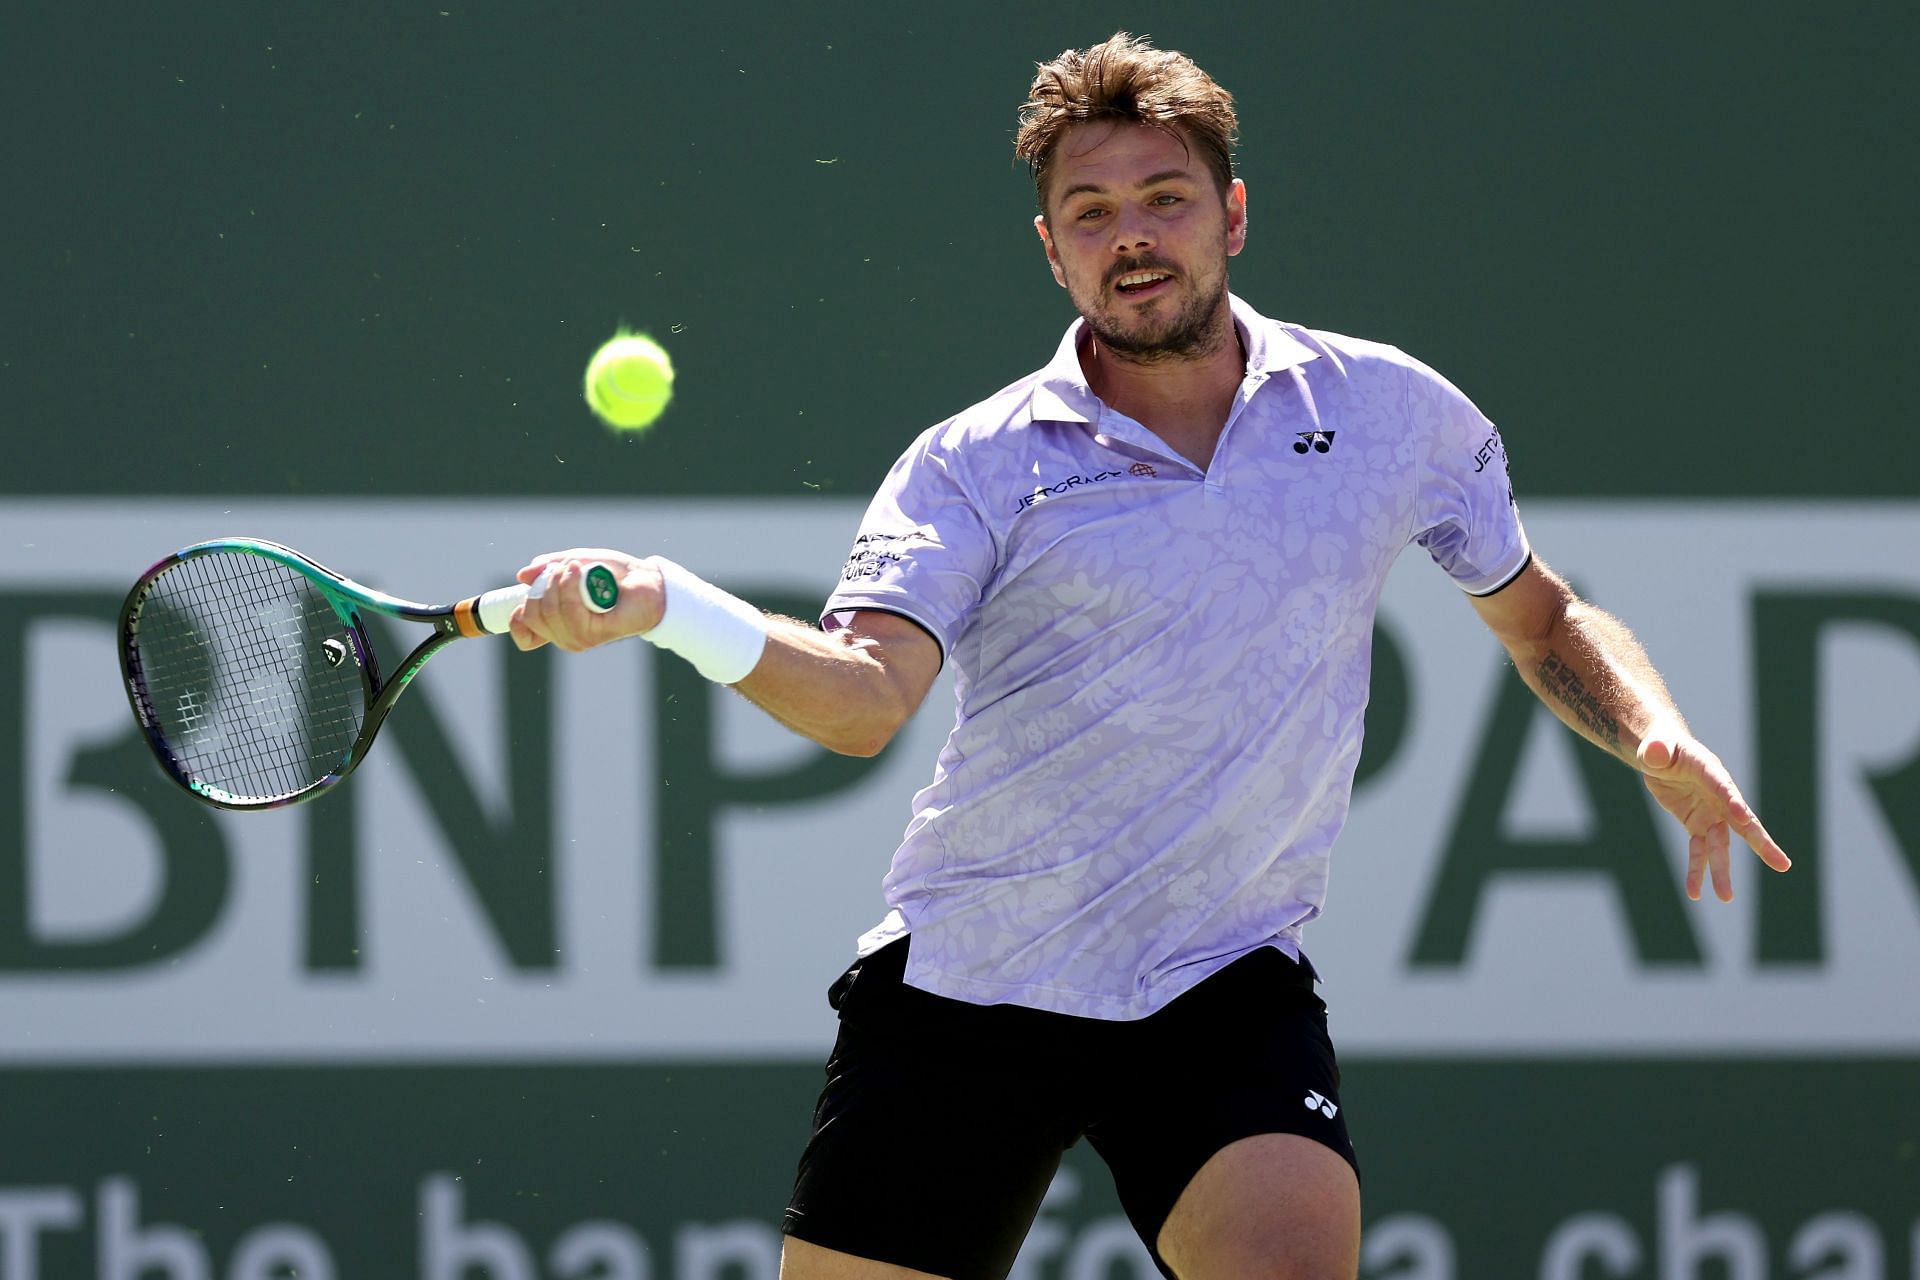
(301, 248)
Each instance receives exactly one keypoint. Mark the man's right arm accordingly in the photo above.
(850, 689)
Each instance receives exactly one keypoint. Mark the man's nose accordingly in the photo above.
(1132, 232)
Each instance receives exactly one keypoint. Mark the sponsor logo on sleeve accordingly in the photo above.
(1489, 449)
(875, 553)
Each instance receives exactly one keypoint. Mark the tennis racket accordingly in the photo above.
(250, 667)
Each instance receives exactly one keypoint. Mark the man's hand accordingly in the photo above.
(561, 617)
(1590, 671)
(1691, 784)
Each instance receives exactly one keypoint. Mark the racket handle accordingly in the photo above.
(599, 590)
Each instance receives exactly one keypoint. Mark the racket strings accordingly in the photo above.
(252, 679)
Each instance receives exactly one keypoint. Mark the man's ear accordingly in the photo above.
(1236, 217)
(1053, 256)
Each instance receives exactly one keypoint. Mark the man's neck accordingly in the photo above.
(1184, 400)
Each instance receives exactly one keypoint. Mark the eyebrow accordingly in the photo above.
(1151, 180)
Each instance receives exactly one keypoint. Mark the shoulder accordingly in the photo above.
(1378, 369)
(977, 450)
(999, 423)
(1342, 355)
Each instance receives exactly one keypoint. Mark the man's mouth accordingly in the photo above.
(1135, 283)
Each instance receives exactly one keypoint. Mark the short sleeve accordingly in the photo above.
(1465, 516)
(923, 550)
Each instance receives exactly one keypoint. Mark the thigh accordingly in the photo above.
(1245, 1055)
(936, 1135)
(1277, 1205)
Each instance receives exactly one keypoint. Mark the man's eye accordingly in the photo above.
(1088, 215)
(1166, 198)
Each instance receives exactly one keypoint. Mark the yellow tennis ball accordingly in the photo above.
(629, 382)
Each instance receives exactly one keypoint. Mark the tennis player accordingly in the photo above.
(1153, 565)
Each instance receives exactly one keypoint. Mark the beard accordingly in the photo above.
(1191, 333)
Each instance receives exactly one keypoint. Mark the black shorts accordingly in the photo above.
(942, 1122)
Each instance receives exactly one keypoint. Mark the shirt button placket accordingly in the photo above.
(1216, 478)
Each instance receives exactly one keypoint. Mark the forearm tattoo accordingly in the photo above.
(1564, 683)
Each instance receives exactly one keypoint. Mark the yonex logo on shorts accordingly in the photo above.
(1318, 1102)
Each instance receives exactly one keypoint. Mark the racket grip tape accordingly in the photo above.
(492, 612)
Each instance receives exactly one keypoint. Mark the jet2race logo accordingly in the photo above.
(1489, 447)
(1065, 486)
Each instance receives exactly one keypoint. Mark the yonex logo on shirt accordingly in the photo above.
(1318, 1102)
(1071, 482)
(1318, 441)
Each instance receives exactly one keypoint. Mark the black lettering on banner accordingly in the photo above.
(194, 861)
(1389, 707)
(503, 846)
(1788, 629)
(1622, 850)
(695, 789)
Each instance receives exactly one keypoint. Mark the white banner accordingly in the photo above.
(1429, 946)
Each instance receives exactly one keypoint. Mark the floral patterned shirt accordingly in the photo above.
(1160, 671)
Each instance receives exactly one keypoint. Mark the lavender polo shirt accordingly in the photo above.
(1160, 671)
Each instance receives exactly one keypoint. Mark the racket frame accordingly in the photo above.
(349, 599)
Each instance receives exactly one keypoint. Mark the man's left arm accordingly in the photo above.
(1587, 667)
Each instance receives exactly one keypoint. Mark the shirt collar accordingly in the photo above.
(1061, 393)
(1270, 348)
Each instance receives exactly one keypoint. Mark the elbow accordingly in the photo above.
(865, 746)
(862, 748)
(867, 737)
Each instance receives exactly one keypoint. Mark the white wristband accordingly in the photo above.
(721, 635)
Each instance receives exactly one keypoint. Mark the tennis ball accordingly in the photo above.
(629, 382)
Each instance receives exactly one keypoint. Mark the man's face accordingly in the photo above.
(1138, 235)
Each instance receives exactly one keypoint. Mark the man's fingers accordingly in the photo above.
(555, 612)
(1742, 818)
(538, 564)
(1692, 785)
(1707, 857)
(524, 636)
(1716, 842)
(1761, 843)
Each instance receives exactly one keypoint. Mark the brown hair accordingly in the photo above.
(1128, 81)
